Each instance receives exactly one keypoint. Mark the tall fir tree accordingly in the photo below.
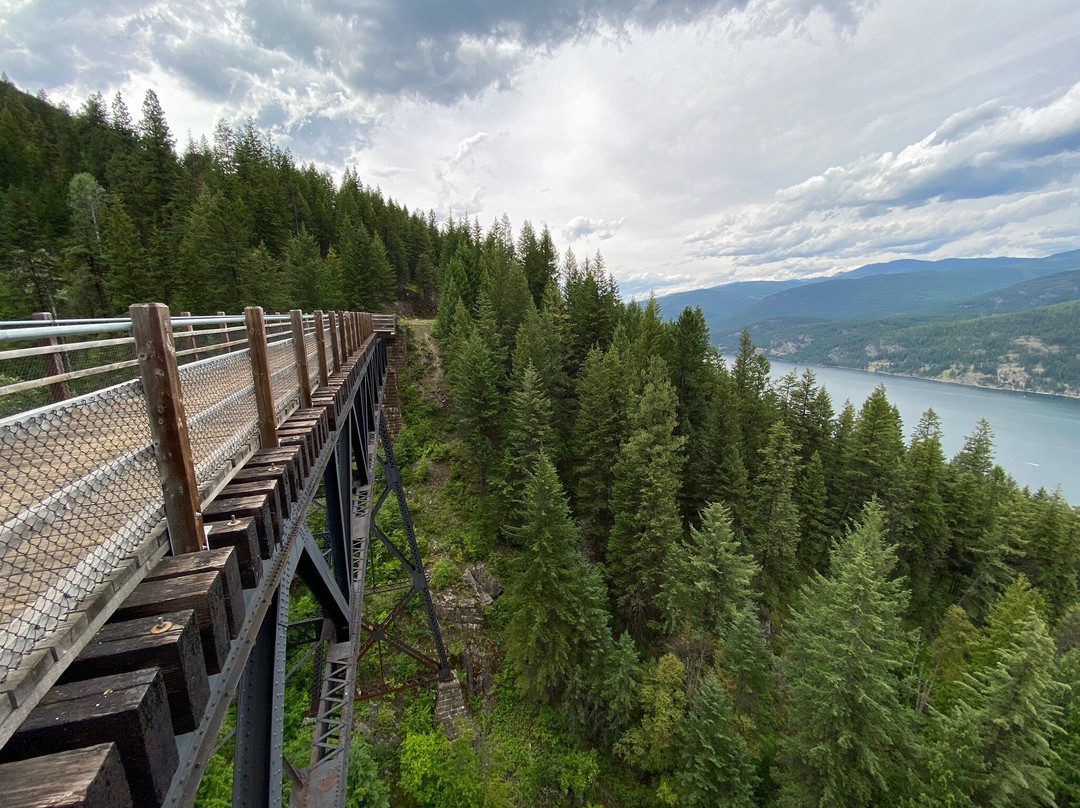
(850, 738)
(529, 434)
(555, 600)
(644, 503)
(716, 768)
(603, 396)
(775, 529)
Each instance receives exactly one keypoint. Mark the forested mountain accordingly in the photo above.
(1035, 349)
(98, 211)
(876, 290)
(939, 320)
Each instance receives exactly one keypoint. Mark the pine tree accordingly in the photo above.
(708, 578)
(529, 434)
(775, 532)
(715, 764)
(644, 503)
(997, 740)
(812, 501)
(755, 404)
(691, 360)
(876, 453)
(918, 521)
(850, 738)
(127, 280)
(556, 600)
(477, 399)
(599, 430)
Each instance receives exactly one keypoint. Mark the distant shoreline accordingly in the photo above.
(1071, 396)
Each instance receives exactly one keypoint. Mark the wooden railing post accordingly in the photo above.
(301, 356)
(53, 364)
(320, 346)
(344, 328)
(189, 337)
(334, 341)
(226, 343)
(260, 374)
(152, 329)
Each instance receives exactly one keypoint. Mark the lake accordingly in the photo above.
(1037, 438)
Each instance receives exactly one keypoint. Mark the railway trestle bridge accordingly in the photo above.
(172, 489)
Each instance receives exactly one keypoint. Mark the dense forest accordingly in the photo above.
(98, 212)
(738, 593)
(719, 590)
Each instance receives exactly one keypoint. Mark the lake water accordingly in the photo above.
(1037, 438)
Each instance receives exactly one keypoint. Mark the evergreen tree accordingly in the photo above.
(691, 362)
(850, 737)
(126, 280)
(876, 453)
(555, 601)
(951, 654)
(755, 405)
(1065, 767)
(652, 745)
(812, 502)
(918, 521)
(708, 578)
(644, 503)
(528, 435)
(996, 742)
(477, 388)
(775, 532)
(715, 764)
(599, 430)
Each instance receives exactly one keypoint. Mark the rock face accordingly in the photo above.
(468, 612)
(450, 710)
(483, 583)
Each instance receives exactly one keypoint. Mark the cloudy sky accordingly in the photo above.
(691, 142)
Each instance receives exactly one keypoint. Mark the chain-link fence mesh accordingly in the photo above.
(80, 493)
(79, 485)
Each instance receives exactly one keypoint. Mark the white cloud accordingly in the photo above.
(989, 166)
(655, 119)
(582, 227)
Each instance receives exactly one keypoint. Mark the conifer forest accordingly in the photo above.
(719, 589)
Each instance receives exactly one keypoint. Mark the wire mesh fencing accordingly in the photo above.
(80, 490)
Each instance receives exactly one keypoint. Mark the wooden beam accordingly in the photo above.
(53, 363)
(344, 329)
(260, 374)
(152, 330)
(334, 338)
(92, 777)
(301, 356)
(189, 337)
(226, 342)
(320, 344)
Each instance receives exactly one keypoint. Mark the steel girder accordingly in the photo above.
(255, 670)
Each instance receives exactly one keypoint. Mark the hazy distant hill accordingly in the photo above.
(730, 298)
(1008, 322)
(874, 290)
(1035, 349)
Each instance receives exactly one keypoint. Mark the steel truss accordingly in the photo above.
(333, 568)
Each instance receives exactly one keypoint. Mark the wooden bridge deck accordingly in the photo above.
(82, 520)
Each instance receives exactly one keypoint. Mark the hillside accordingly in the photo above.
(1037, 349)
